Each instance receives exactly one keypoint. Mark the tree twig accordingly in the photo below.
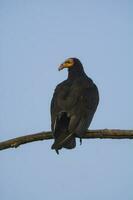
(102, 134)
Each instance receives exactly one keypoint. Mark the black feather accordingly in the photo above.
(73, 106)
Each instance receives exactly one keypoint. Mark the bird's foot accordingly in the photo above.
(80, 141)
(57, 151)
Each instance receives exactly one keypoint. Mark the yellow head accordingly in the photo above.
(67, 64)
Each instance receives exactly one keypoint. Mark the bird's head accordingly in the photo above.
(71, 63)
(74, 66)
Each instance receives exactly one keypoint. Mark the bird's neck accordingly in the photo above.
(75, 73)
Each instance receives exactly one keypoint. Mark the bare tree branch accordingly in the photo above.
(102, 134)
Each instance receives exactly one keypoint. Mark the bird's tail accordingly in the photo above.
(61, 134)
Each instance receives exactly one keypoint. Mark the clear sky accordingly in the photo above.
(35, 37)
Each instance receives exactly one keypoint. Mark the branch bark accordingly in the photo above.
(101, 134)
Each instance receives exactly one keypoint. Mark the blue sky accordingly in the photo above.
(35, 37)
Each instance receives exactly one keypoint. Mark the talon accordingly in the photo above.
(57, 151)
(80, 141)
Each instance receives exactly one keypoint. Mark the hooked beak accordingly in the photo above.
(61, 67)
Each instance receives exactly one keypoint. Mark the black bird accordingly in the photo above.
(73, 105)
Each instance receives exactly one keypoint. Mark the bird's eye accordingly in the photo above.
(69, 62)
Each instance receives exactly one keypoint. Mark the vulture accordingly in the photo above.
(73, 105)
